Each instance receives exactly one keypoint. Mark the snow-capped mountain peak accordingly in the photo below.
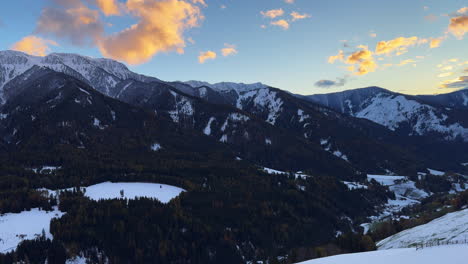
(102, 74)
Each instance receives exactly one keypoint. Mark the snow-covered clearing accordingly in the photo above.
(26, 225)
(132, 190)
(450, 227)
(454, 254)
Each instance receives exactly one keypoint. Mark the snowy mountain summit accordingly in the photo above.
(102, 74)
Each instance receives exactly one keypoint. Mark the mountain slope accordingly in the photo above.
(458, 99)
(407, 115)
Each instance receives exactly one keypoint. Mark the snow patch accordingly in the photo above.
(27, 225)
(354, 185)
(436, 172)
(156, 147)
(207, 130)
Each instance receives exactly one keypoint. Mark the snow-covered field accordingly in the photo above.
(450, 227)
(454, 254)
(26, 225)
(132, 190)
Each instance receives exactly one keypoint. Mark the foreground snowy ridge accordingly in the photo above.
(455, 254)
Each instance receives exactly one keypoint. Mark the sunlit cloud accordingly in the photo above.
(272, 13)
(109, 7)
(160, 29)
(362, 62)
(297, 16)
(463, 10)
(445, 74)
(447, 68)
(229, 50)
(34, 45)
(459, 26)
(281, 23)
(372, 34)
(398, 45)
(202, 2)
(339, 57)
(404, 62)
(289, 1)
(78, 24)
(436, 42)
(207, 55)
(458, 83)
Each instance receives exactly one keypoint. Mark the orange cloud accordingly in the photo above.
(79, 24)
(289, 1)
(202, 2)
(459, 26)
(34, 45)
(340, 57)
(458, 83)
(463, 10)
(435, 42)
(281, 23)
(229, 50)
(402, 63)
(109, 7)
(362, 61)
(445, 74)
(399, 45)
(272, 13)
(160, 29)
(208, 55)
(297, 16)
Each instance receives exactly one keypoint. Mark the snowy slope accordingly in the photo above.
(451, 227)
(261, 100)
(456, 254)
(26, 225)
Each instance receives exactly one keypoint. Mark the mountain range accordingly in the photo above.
(341, 127)
(97, 120)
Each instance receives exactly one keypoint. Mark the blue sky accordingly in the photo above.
(293, 59)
